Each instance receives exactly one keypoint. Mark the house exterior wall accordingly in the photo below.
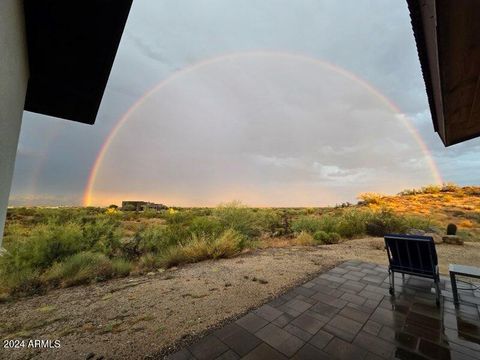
(13, 86)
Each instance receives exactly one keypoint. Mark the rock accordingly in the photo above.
(161, 270)
(452, 239)
(150, 274)
(437, 239)
(90, 356)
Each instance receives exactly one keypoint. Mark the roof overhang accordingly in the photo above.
(71, 49)
(447, 33)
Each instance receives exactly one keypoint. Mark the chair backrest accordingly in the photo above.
(412, 254)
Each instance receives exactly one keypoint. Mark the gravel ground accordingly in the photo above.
(148, 316)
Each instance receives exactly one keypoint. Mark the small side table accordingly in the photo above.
(463, 270)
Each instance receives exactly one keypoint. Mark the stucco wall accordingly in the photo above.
(13, 86)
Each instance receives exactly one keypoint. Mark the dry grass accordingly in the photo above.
(304, 239)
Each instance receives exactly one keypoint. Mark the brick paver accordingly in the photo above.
(347, 313)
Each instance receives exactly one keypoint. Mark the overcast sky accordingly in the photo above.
(270, 124)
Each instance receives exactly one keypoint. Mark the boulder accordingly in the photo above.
(452, 239)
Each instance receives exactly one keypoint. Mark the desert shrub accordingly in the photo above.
(173, 256)
(329, 223)
(352, 223)
(22, 282)
(307, 224)
(386, 221)
(311, 224)
(431, 189)
(102, 235)
(154, 239)
(472, 190)
(450, 187)
(27, 256)
(240, 218)
(151, 214)
(204, 247)
(334, 238)
(85, 267)
(148, 262)
(323, 237)
(407, 192)
(227, 244)
(416, 222)
(179, 218)
(206, 226)
(272, 222)
(371, 198)
(304, 238)
(45, 245)
(121, 267)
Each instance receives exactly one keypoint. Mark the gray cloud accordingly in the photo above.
(257, 119)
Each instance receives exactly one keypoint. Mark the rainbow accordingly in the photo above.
(88, 196)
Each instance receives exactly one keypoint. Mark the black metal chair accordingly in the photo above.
(413, 255)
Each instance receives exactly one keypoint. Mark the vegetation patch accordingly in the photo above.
(59, 247)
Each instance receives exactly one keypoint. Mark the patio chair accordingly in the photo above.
(414, 255)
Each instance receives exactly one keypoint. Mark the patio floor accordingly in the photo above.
(347, 313)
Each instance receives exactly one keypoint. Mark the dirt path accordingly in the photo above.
(138, 317)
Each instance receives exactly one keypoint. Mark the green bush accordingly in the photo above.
(238, 217)
(334, 238)
(206, 226)
(154, 239)
(309, 224)
(183, 217)
(45, 245)
(272, 222)
(352, 223)
(102, 235)
(417, 222)
(323, 237)
(386, 221)
(22, 282)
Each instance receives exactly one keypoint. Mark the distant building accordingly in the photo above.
(141, 206)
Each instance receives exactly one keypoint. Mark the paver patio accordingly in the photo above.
(347, 313)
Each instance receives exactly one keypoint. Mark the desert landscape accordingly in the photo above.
(140, 284)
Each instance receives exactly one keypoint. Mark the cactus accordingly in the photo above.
(451, 229)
